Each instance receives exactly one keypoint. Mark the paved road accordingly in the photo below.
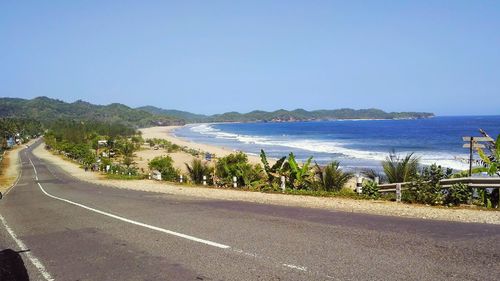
(79, 231)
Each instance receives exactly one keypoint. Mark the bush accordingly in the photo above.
(164, 164)
(458, 194)
(371, 190)
(236, 165)
(197, 170)
(425, 188)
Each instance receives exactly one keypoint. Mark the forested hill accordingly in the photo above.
(46, 110)
(286, 115)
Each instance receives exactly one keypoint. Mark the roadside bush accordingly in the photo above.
(371, 190)
(458, 194)
(164, 164)
(425, 187)
(236, 165)
(332, 178)
(198, 169)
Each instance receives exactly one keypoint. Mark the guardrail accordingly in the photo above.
(471, 182)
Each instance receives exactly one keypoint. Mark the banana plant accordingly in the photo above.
(300, 177)
(273, 172)
(492, 161)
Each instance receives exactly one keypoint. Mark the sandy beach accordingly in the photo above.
(146, 153)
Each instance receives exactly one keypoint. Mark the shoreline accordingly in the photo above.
(166, 133)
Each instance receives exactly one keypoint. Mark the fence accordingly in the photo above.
(445, 183)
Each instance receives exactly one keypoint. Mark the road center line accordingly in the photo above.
(35, 261)
(185, 236)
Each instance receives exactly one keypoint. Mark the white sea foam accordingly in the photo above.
(331, 147)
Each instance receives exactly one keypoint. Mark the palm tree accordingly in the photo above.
(332, 178)
(197, 170)
(399, 169)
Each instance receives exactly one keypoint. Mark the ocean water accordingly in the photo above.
(355, 143)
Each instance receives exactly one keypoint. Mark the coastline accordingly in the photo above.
(166, 133)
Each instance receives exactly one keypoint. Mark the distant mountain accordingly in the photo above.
(46, 109)
(184, 115)
(289, 116)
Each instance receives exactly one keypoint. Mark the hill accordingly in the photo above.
(282, 115)
(46, 109)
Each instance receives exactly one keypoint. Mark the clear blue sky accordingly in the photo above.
(217, 56)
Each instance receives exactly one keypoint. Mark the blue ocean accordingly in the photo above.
(355, 143)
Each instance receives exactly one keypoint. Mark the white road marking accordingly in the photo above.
(301, 268)
(185, 236)
(189, 237)
(35, 261)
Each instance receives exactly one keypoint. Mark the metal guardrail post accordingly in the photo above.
(398, 192)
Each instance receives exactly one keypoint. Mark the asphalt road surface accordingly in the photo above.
(72, 230)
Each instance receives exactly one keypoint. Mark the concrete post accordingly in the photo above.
(398, 192)
(204, 180)
(359, 185)
(283, 186)
(180, 179)
(377, 180)
(235, 182)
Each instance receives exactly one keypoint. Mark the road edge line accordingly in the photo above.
(34, 260)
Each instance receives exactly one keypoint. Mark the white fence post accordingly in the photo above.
(235, 182)
(377, 180)
(180, 179)
(283, 187)
(398, 192)
(359, 185)
(204, 180)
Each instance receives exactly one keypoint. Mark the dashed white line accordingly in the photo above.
(301, 268)
(35, 261)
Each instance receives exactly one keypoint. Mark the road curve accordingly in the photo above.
(78, 231)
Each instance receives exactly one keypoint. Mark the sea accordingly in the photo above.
(357, 144)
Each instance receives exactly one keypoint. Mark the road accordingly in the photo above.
(79, 231)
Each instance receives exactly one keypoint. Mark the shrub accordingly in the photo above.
(236, 165)
(197, 170)
(332, 178)
(425, 188)
(458, 194)
(399, 169)
(371, 190)
(164, 164)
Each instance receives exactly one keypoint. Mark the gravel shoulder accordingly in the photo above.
(9, 170)
(334, 204)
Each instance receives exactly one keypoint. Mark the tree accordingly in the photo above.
(332, 178)
(273, 172)
(300, 177)
(398, 169)
(491, 161)
(197, 170)
(164, 164)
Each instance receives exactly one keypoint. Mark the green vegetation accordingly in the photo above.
(237, 165)
(286, 115)
(79, 141)
(47, 110)
(197, 170)
(164, 164)
(399, 169)
(371, 189)
(492, 160)
(331, 177)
